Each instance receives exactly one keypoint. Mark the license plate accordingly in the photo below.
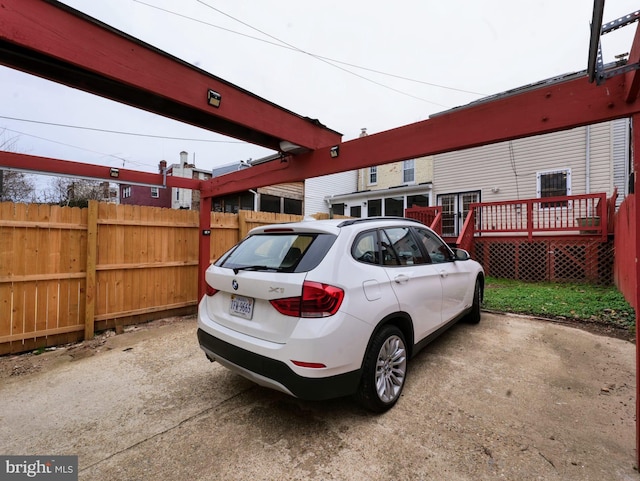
(241, 306)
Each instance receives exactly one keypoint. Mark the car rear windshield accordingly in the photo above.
(286, 252)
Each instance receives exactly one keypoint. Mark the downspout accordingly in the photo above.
(587, 166)
(255, 200)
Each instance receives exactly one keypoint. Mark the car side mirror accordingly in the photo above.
(461, 254)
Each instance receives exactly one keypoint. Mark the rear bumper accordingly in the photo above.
(276, 374)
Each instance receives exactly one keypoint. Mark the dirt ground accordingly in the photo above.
(511, 398)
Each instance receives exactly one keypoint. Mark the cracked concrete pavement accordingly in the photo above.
(511, 398)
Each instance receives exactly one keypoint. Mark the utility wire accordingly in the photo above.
(120, 132)
(295, 49)
(328, 60)
(76, 147)
(319, 58)
(512, 159)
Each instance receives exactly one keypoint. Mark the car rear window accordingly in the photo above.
(287, 252)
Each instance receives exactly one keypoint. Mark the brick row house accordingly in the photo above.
(173, 198)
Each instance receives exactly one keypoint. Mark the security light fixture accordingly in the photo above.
(214, 98)
(289, 147)
(115, 173)
(335, 151)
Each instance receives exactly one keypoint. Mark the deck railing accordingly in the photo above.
(431, 216)
(574, 214)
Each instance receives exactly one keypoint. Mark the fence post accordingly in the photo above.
(204, 243)
(242, 224)
(90, 284)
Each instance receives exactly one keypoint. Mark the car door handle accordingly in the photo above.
(401, 278)
(443, 273)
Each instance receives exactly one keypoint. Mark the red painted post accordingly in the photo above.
(635, 133)
(204, 243)
(529, 205)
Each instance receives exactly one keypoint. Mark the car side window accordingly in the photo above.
(366, 248)
(387, 251)
(437, 250)
(399, 247)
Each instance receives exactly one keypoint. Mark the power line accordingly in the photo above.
(76, 147)
(95, 129)
(319, 58)
(329, 60)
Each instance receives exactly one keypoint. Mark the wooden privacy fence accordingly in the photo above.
(65, 272)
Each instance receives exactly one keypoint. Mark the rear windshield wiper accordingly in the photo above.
(253, 268)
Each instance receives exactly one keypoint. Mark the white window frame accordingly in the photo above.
(373, 174)
(409, 166)
(155, 192)
(554, 171)
(126, 192)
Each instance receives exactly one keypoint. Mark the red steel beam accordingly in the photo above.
(35, 164)
(54, 41)
(635, 145)
(547, 108)
(632, 79)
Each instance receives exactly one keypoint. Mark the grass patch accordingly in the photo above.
(603, 304)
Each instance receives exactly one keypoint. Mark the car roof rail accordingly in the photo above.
(359, 220)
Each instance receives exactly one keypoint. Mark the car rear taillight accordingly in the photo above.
(209, 291)
(317, 300)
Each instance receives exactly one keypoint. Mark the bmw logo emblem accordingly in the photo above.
(234, 284)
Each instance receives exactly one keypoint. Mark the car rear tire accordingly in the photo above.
(473, 317)
(384, 370)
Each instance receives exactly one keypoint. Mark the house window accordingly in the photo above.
(355, 211)
(374, 208)
(154, 192)
(408, 171)
(292, 206)
(269, 203)
(417, 201)
(394, 206)
(338, 209)
(126, 192)
(373, 175)
(553, 184)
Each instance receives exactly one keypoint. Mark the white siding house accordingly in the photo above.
(318, 190)
(386, 189)
(583, 160)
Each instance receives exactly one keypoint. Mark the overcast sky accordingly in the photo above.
(349, 63)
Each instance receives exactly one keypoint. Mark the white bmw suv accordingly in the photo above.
(329, 308)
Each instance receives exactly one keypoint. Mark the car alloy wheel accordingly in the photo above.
(384, 370)
(391, 369)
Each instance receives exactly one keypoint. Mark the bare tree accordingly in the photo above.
(77, 192)
(14, 186)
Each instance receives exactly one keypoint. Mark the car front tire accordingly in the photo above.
(384, 370)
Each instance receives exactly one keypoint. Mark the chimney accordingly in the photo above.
(162, 166)
(184, 157)
(363, 132)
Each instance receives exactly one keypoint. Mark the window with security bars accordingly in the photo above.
(554, 184)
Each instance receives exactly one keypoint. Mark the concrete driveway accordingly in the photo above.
(512, 398)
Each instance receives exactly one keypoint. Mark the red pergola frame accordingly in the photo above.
(76, 50)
